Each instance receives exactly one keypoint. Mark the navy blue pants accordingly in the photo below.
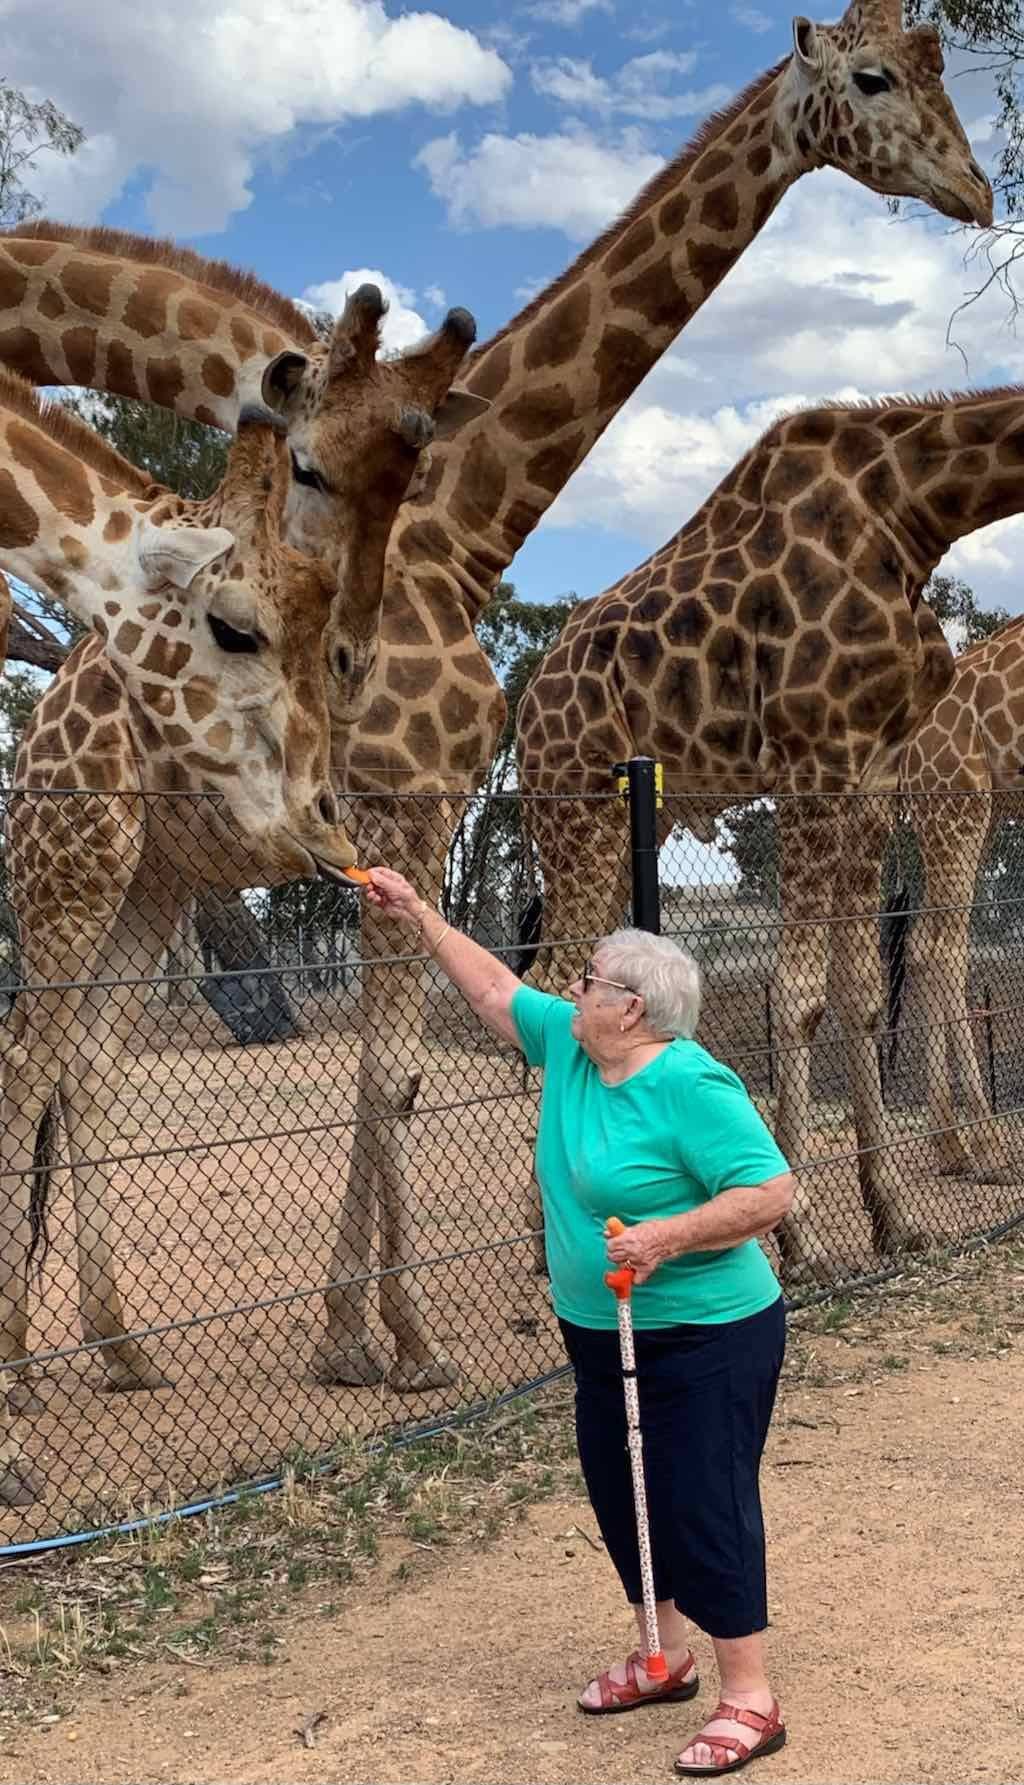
(706, 1395)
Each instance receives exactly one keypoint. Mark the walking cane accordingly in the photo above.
(620, 1283)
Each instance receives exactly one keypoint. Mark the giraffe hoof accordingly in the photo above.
(411, 1378)
(20, 1485)
(359, 1365)
(132, 1382)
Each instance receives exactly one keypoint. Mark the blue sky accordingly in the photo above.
(465, 154)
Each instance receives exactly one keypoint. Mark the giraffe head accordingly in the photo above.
(216, 629)
(866, 96)
(358, 431)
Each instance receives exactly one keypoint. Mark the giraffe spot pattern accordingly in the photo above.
(720, 209)
(127, 637)
(60, 476)
(79, 348)
(166, 657)
(22, 350)
(118, 526)
(539, 412)
(558, 334)
(200, 700)
(552, 467)
(628, 251)
(654, 293)
(73, 551)
(196, 321)
(218, 376)
(121, 370)
(30, 253)
(87, 284)
(19, 524)
(478, 496)
(145, 313)
(243, 336)
(13, 285)
(165, 381)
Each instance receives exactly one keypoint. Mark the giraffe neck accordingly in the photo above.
(562, 369)
(960, 468)
(63, 527)
(70, 314)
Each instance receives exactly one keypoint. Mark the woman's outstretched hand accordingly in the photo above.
(393, 895)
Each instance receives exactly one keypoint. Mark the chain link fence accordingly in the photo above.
(259, 1197)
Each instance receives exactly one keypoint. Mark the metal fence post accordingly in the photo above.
(641, 775)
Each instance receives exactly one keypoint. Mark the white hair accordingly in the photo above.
(658, 971)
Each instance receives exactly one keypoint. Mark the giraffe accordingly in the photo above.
(143, 319)
(777, 645)
(204, 672)
(6, 609)
(863, 96)
(961, 775)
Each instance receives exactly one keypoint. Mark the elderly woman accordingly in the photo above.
(637, 1120)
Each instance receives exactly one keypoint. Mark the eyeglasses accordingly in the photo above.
(588, 977)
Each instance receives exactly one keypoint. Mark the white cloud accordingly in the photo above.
(199, 92)
(570, 181)
(567, 12)
(752, 19)
(639, 89)
(435, 297)
(403, 325)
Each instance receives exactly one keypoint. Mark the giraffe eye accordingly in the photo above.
(871, 84)
(305, 474)
(230, 639)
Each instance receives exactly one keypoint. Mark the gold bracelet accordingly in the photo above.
(432, 952)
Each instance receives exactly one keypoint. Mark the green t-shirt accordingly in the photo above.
(670, 1137)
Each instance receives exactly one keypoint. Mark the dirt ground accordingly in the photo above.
(896, 1525)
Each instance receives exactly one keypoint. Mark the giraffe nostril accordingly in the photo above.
(344, 661)
(328, 808)
(978, 173)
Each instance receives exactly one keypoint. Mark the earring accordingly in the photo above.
(622, 1028)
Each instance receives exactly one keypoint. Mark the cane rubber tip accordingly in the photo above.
(656, 1667)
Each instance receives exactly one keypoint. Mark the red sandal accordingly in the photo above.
(730, 1754)
(629, 1696)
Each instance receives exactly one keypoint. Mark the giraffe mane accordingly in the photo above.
(157, 251)
(665, 179)
(933, 401)
(70, 431)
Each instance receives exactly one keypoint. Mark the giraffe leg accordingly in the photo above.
(952, 834)
(378, 1177)
(69, 862)
(857, 990)
(809, 862)
(90, 1086)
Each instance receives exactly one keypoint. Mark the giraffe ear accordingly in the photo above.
(459, 407)
(282, 377)
(806, 47)
(177, 554)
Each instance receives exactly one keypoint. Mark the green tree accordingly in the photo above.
(955, 606)
(28, 129)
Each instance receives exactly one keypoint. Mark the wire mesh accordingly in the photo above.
(256, 1198)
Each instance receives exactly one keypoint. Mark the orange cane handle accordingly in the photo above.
(620, 1281)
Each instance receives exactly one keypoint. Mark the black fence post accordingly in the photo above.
(641, 790)
(771, 1038)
